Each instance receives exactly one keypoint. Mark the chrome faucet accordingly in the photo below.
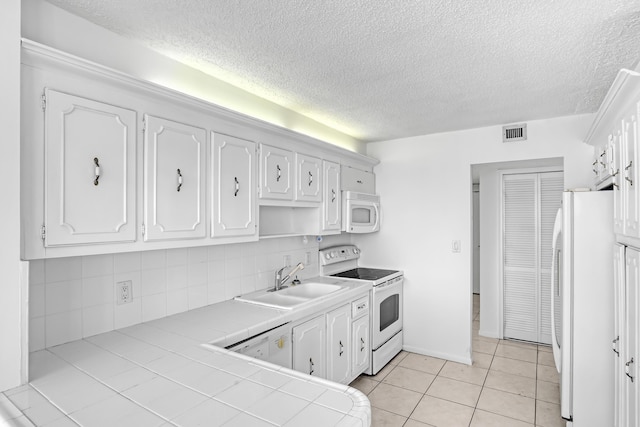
(280, 281)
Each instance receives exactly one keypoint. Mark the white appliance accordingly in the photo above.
(582, 307)
(272, 346)
(386, 317)
(361, 212)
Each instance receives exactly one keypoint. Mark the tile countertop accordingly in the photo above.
(158, 374)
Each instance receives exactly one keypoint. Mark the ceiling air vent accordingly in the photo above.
(514, 133)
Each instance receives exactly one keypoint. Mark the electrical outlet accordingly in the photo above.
(124, 292)
(455, 246)
(287, 260)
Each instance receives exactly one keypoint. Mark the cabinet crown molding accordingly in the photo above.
(37, 53)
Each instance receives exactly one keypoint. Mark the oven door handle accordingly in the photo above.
(388, 283)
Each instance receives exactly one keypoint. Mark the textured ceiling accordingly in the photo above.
(386, 69)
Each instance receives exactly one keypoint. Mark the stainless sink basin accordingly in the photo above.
(292, 296)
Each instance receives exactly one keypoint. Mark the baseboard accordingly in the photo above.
(489, 334)
(438, 354)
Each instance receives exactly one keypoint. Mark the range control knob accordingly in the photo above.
(355, 251)
(333, 254)
(327, 256)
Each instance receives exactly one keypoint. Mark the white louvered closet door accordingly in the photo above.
(530, 203)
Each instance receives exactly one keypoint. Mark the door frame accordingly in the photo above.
(501, 174)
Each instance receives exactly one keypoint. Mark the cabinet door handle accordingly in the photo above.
(359, 181)
(235, 178)
(333, 195)
(595, 171)
(614, 176)
(279, 174)
(341, 347)
(96, 171)
(310, 178)
(626, 368)
(311, 366)
(361, 344)
(629, 170)
(614, 346)
(179, 180)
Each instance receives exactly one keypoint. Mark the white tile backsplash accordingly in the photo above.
(62, 297)
(153, 282)
(60, 269)
(124, 263)
(63, 327)
(72, 298)
(97, 290)
(97, 265)
(97, 319)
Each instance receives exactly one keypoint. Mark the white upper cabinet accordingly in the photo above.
(332, 206)
(630, 173)
(617, 166)
(276, 170)
(234, 186)
(309, 178)
(90, 179)
(614, 134)
(358, 180)
(174, 180)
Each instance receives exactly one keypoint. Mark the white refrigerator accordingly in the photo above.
(582, 307)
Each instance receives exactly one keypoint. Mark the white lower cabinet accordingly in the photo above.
(360, 346)
(626, 345)
(335, 345)
(338, 344)
(309, 347)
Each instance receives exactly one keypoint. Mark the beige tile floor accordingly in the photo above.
(510, 384)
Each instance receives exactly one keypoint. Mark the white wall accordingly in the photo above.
(52, 26)
(425, 188)
(12, 302)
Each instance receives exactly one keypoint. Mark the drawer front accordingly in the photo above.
(360, 307)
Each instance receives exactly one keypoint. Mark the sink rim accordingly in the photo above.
(261, 297)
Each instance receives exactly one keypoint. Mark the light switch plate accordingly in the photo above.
(455, 246)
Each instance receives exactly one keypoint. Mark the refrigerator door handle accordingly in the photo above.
(555, 285)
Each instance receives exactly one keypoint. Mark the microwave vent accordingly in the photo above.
(363, 196)
(514, 133)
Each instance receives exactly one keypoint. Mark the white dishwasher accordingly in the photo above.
(272, 346)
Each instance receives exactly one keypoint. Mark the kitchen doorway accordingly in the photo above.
(530, 201)
(488, 177)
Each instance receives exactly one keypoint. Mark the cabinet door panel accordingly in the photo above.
(632, 345)
(308, 178)
(361, 345)
(338, 348)
(632, 202)
(234, 184)
(617, 170)
(174, 187)
(358, 180)
(275, 173)
(90, 171)
(309, 347)
(332, 214)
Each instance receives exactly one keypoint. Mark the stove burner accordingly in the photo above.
(365, 273)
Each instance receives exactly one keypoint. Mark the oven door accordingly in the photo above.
(387, 311)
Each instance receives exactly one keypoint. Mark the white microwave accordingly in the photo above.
(360, 212)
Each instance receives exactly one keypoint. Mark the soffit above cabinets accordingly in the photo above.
(390, 69)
